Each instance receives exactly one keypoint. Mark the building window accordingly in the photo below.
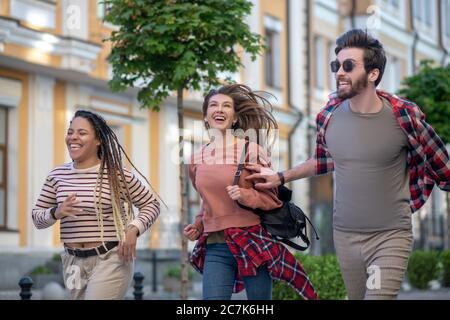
(416, 9)
(272, 61)
(391, 77)
(393, 11)
(427, 12)
(319, 65)
(283, 155)
(40, 14)
(102, 9)
(394, 4)
(3, 165)
(445, 16)
(331, 75)
(119, 131)
(423, 11)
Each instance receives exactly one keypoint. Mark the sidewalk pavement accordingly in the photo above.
(416, 294)
(195, 294)
(406, 293)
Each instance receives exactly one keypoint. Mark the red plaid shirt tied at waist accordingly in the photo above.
(253, 247)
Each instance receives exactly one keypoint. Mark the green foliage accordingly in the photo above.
(445, 261)
(41, 270)
(281, 291)
(56, 257)
(175, 272)
(167, 45)
(325, 275)
(430, 90)
(422, 268)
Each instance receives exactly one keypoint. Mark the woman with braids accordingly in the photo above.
(233, 251)
(93, 197)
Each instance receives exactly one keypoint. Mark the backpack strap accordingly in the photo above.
(237, 175)
(294, 245)
(317, 236)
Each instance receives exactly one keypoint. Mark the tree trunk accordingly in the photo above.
(183, 216)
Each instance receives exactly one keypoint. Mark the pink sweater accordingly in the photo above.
(211, 171)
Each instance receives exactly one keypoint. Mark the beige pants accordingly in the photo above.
(373, 264)
(103, 277)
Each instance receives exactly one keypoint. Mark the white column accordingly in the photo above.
(297, 83)
(40, 151)
(252, 70)
(169, 178)
(140, 153)
(297, 54)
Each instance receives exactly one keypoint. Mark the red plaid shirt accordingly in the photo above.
(428, 160)
(253, 247)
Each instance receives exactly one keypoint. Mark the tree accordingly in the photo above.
(430, 89)
(165, 46)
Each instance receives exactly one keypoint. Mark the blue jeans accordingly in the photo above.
(220, 270)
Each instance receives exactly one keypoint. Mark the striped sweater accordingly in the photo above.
(64, 180)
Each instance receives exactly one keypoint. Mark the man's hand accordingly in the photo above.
(127, 248)
(67, 208)
(270, 177)
(234, 192)
(191, 232)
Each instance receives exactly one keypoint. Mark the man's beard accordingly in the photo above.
(356, 89)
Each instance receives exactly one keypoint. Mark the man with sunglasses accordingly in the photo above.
(386, 160)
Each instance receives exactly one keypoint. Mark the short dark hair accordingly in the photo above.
(374, 55)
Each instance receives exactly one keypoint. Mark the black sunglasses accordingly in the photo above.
(347, 65)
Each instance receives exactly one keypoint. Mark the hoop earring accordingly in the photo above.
(207, 125)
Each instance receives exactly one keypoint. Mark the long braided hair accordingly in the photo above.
(110, 154)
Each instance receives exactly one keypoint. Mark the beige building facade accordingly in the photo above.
(53, 61)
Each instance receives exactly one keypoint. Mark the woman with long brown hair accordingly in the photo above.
(93, 197)
(233, 250)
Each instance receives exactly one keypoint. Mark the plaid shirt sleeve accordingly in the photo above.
(324, 161)
(437, 158)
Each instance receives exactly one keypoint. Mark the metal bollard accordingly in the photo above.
(25, 288)
(138, 279)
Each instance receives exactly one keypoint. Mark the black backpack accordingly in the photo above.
(284, 223)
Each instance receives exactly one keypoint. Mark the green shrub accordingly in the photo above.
(175, 272)
(41, 270)
(325, 275)
(56, 257)
(281, 291)
(445, 260)
(422, 268)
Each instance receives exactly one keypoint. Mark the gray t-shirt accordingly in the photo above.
(371, 175)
